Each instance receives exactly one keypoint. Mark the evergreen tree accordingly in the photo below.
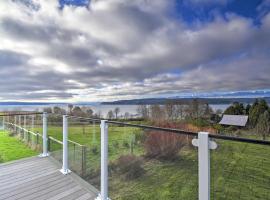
(258, 108)
(235, 109)
(247, 109)
(263, 126)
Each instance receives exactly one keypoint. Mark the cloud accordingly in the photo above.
(116, 49)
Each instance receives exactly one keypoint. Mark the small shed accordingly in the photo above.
(234, 120)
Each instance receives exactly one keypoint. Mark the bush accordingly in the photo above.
(94, 150)
(115, 144)
(230, 130)
(129, 166)
(126, 144)
(93, 176)
(219, 128)
(200, 122)
(139, 136)
(238, 133)
(1, 159)
(164, 145)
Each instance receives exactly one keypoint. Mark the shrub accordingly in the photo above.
(93, 175)
(186, 126)
(94, 150)
(126, 144)
(129, 166)
(219, 128)
(1, 159)
(115, 144)
(200, 122)
(230, 130)
(139, 136)
(238, 133)
(164, 145)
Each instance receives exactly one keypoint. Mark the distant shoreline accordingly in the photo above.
(148, 101)
(162, 101)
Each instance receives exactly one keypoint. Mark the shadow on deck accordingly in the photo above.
(40, 178)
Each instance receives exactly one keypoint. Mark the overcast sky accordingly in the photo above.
(106, 50)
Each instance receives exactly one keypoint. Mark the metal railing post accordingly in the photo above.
(45, 137)
(104, 161)
(33, 121)
(15, 122)
(4, 123)
(24, 130)
(65, 169)
(204, 144)
(8, 120)
(19, 128)
(83, 167)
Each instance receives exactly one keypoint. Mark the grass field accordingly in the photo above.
(238, 170)
(89, 135)
(12, 148)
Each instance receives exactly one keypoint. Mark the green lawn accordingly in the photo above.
(238, 170)
(12, 148)
(90, 135)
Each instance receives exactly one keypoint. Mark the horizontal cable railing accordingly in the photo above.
(219, 136)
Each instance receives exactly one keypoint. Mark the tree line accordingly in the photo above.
(176, 110)
(258, 114)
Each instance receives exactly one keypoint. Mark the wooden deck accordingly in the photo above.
(40, 178)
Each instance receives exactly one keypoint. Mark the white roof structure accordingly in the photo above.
(234, 120)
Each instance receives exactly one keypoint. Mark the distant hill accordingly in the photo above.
(151, 101)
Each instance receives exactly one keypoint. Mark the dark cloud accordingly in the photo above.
(11, 59)
(50, 53)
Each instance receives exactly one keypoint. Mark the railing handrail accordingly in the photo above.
(55, 140)
(182, 132)
(239, 139)
(17, 114)
(177, 131)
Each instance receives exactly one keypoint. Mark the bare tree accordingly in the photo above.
(78, 111)
(98, 114)
(58, 110)
(70, 107)
(179, 111)
(116, 111)
(48, 110)
(170, 110)
(89, 112)
(127, 115)
(157, 113)
(143, 111)
(110, 115)
(195, 109)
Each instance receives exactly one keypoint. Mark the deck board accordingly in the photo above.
(40, 178)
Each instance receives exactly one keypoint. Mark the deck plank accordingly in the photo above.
(40, 178)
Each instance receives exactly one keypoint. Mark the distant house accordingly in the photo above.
(234, 120)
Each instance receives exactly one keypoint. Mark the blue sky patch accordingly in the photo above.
(205, 12)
